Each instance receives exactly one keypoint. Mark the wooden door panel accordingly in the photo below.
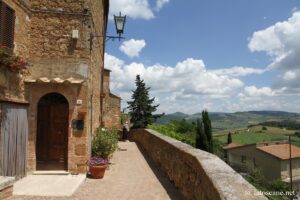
(58, 135)
(42, 135)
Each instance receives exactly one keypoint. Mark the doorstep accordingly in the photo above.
(46, 172)
(49, 185)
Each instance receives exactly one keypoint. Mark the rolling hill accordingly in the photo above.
(224, 121)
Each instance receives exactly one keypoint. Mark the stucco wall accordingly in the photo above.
(262, 160)
(197, 174)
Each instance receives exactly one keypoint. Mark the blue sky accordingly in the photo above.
(228, 56)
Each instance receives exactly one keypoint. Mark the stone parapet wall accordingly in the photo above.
(6, 187)
(197, 174)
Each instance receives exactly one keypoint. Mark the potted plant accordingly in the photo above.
(97, 166)
(104, 144)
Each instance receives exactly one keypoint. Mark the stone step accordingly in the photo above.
(47, 172)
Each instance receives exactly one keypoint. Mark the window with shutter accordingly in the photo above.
(7, 25)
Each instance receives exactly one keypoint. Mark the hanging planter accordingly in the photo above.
(11, 62)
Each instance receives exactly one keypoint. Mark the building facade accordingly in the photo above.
(272, 158)
(60, 92)
(111, 104)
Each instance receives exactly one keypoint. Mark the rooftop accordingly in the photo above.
(281, 151)
(232, 145)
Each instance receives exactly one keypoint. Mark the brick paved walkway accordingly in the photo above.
(131, 177)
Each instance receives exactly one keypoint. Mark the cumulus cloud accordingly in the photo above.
(160, 4)
(132, 47)
(237, 71)
(188, 81)
(282, 43)
(254, 91)
(136, 9)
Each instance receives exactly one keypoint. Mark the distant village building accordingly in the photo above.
(271, 157)
(49, 115)
(111, 104)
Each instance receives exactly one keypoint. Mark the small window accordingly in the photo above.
(7, 25)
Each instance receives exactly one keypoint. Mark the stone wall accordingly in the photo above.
(111, 104)
(43, 35)
(11, 83)
(112, 113)
(196, 174)
(6, 187)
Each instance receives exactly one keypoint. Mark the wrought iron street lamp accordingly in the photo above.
(119, 24)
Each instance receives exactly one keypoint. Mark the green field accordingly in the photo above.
(257, 129)
(256, 135)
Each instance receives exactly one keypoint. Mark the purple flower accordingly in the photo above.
(97, 161)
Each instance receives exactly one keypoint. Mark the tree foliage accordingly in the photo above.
(141, 107)
(229, 138)
(207, 130)
(204, 138)
(201, 139)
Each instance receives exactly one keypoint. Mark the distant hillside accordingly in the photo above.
(223, 121)
(169, 117)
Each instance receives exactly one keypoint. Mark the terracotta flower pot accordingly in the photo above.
(97, 171)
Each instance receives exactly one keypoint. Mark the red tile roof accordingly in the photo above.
(281, 151)
(232, 145)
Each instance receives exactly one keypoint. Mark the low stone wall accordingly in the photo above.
(197, 174)
(6, 187)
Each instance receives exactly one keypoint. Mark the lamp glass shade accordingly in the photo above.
(120, 22)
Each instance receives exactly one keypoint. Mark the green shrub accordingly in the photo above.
(105, 143)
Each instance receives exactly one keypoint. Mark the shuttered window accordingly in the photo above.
(7, 25)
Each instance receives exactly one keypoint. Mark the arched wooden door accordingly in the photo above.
(52, 132)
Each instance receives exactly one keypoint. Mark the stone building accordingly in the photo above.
(60, 94)
(111, 104)
(272, 158)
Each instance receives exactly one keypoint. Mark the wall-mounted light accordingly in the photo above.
(75, 34)
(119, 24)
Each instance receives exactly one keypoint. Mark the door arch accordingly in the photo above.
(52, 132)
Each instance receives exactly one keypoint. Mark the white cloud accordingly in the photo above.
(136, 9)
(281, 41)
(239, 71)
(132, 47)
(189, 87)
(160, 4)
(290, 75)
(181, 87)
(254, 91)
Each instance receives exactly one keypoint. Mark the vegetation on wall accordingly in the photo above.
(192, 133)
(255, 176)
(141, 107)
(171, 129)
(10, 61)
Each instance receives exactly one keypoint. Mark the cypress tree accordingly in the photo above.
(207, 130)
(141, 107)
(229, 138)
(201, 139)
